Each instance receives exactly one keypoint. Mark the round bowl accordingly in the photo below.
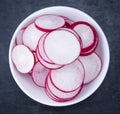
(38, 94)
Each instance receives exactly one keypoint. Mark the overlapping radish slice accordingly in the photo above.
(23, 58)
(46, 64)
(60, 95)
(68, 22)
(91, 50)
(69, 77)
(41, 49)
(88, 35)
(39, 74)
(18, 39)
(31, 36)
(92, 64)
(62, 47)
(49, 22)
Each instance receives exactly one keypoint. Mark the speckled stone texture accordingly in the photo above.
(106, 100)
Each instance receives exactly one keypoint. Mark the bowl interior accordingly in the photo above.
(38, 94)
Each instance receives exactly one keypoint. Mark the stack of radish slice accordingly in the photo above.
(59, 54)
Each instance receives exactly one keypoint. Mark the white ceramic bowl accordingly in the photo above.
(38, 94)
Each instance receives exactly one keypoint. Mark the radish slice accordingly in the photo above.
(39, 74)
(46, 64)
(35, 57)
(50, 95)
(68, 22)
(62, 47)
(59, 94)
(41, 50)
(85, 53)
(87, 33)
(31, 36)
(93, 65)
(19, 37)
(49, 22)
(69, 77)
(23, 58)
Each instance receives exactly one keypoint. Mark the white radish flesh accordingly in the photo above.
(39, 74)
(23, 58)
(49, 22)
(92, 64)
(69, 77)
(62, 47)
(31, 36)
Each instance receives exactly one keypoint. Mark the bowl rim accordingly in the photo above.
(31, 16)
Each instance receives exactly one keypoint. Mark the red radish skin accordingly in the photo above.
(39, 74)
(16, 41)
(31, 36)
(47, 65)
(35, 57)
(74, 73)
(66, 48)
(23, 58)
(49, 22)
(93, 32)
(93, 65)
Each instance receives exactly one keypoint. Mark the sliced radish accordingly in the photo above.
(87, 33)
(52, 96)
(68, 22)
(85, 53)
(39, 74)
(41, 49)
(19, 37)
(69, 77)
(46, 64)
(62, 47)
(35, 57)
(23, 58)
(63, 96)
(31, 36)
(92, 64)
(49, 22)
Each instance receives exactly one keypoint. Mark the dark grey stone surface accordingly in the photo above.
(106, 100)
